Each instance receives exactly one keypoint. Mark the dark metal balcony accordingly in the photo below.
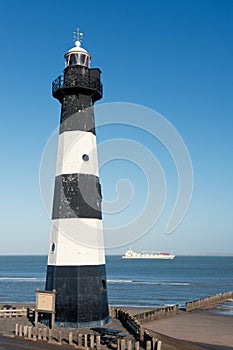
(82, 83)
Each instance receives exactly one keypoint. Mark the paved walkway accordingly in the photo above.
(8, 341)
(18, 344)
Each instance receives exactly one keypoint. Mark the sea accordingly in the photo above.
(146, 283)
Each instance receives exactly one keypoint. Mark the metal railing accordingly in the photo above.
(79, 81)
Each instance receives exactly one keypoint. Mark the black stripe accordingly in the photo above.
(77, 114)
(81, 298)
(77, 196)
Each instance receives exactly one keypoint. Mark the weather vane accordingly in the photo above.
(78, 36)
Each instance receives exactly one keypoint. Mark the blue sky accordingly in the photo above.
(174, 57)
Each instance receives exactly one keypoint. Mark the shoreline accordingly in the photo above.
(203, 328)
(200, 329)
(196, 330)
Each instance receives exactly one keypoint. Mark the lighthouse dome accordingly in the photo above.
(77, 56)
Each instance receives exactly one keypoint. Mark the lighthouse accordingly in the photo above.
(76, 258)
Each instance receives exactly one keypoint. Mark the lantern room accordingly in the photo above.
(77, 56)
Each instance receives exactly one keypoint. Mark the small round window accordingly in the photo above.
(85, 157)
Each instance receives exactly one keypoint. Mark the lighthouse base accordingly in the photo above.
(100, 323)
(81, 298)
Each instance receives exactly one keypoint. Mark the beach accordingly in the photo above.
(206, 329)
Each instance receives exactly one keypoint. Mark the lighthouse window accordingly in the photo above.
(87, 61)
(85, 157)
(52, 247)
(104, 284)
(83, 60)
(72, 60)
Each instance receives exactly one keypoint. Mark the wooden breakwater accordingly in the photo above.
(134, 326)
(156, 314)
(147, 316)
(208, 302)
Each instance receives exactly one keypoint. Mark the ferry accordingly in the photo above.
(130, 254)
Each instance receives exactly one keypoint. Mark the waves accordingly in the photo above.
(110, 281)
(21, 279)
(225, 308)
(130, 283)
(158, 283)
(119, 281)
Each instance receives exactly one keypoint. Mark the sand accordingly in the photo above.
(204, 328)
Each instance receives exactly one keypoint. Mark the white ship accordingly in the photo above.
(130, 254)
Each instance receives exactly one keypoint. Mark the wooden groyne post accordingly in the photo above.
(208, 302)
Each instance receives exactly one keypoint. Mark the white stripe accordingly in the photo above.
(72, 145)
(77, 242)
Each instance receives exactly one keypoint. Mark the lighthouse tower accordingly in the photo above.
(76, 259)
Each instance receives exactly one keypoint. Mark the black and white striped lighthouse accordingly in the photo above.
(76, 259)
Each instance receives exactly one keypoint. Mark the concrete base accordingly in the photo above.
(99, 323)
